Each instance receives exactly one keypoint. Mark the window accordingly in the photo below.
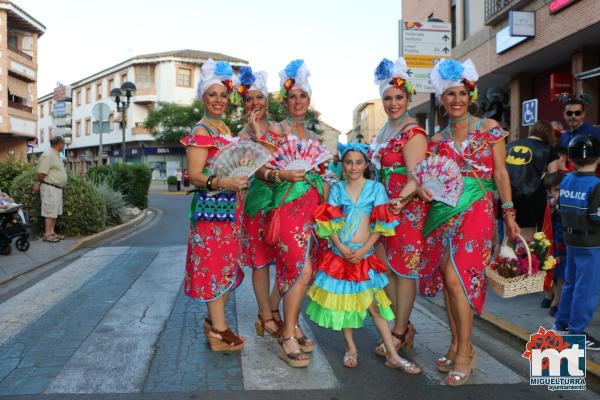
(111, 121)
(98, 90)
(42, 110)
(19, 94)
(184, 77)
(466, 18)
(50, 107)
(111, 86)
(42, 135)
(144, 76)
(123, 77)
(88, 126)
(78, 128)
(13, 40)
(78, 98)
(88, 95)
(50, 133)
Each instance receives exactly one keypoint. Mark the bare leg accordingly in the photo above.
(559, 286)
(292, 303)
(260, 281)
(216, 313)
(49, 226)
(386, 335)
(274, 300)
(406, 292)
(461, 313)
(350, 359)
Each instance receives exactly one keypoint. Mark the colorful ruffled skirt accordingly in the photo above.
(342, 292)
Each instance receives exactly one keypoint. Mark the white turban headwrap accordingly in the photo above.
(219, 73)
(249, 80)
(386, 72)
(448, 73)
(295, 75)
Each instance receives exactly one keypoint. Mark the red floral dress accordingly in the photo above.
(297, 242)
(213, 255)
(468, 231)
(404, 249)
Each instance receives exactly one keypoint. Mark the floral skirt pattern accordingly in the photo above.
(296, 239)
(469, 237)
(212, 265)
(255, 252)
(404, 250)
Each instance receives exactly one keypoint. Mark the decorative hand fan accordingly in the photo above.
(299, 154)
(442, 177)
(240, 158)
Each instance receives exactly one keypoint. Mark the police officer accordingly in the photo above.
(579, 205)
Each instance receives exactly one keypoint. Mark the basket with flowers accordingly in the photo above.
(516, 270)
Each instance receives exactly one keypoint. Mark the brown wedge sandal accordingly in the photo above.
(261, 327)
(229, 341)
(457, 378)
(306, 344)
(444, 364)
(406, 341)
(295, 359)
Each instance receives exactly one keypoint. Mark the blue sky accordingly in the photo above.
(341, 41)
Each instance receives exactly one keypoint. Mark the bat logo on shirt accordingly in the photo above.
(519, 155)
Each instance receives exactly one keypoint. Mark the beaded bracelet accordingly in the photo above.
(509, 211)
(276, 177)
(507, 204)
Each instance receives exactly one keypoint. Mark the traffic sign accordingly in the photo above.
(423, 44)
(529, 112)
(100, 112)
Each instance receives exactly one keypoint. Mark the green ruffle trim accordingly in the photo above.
(338, 320)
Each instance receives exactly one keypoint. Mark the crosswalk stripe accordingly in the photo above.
(432, 342)
(116, 355)
(262, 369)
(19, 311)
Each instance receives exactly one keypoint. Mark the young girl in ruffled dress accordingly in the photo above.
(350, 278)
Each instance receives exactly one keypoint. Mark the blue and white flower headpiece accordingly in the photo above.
(216, 73)
(448, 73)
(388, 74)
(353, 146)
(295, 76)
(252, 81)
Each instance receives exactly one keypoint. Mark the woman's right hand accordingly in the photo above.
(424, 194)
(235, 183)
(346, 251)
(292, 175)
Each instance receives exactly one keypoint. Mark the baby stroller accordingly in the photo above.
(13, 226)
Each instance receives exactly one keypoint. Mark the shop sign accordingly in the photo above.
(522, 23)
(559, 5)
(560, 82)
(504, 40)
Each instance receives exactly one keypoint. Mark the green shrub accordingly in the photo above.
(132, 180)
(114, 202)
(84, 211)
(9, 170)
(172, 180)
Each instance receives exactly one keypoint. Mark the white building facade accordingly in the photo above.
(161, 77)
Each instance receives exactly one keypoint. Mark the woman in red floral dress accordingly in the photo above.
(213, 258)
(397, 149)
(256, 253)
(458, 240)
(296, 195)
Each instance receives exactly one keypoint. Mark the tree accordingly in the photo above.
(170, 122)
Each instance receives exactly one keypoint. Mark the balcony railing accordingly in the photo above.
(497, 9)
(19, 52)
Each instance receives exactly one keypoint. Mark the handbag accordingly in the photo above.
(274, 224)
(218, 207)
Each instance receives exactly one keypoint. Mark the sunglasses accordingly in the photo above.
(577, 113)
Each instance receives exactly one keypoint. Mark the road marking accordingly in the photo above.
(262, 368)
(19, 311)
(116, 355)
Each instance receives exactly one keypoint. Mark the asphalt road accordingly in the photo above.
(111, 322)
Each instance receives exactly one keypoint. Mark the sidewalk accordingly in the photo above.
(40, 252)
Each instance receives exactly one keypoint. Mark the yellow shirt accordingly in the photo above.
(51, 165)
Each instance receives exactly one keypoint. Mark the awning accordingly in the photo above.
(592, 73)
(18, 87)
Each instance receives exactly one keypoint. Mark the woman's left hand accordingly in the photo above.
(396, 206)
(358, 255)
(512, 227)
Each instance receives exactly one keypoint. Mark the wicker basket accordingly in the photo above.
(511, 287)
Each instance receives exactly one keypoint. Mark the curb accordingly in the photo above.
(523, 335)
(82, 242)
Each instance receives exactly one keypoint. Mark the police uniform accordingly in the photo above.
(579, 205)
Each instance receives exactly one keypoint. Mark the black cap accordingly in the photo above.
(584, 147)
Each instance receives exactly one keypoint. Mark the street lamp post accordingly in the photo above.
(122, 97)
